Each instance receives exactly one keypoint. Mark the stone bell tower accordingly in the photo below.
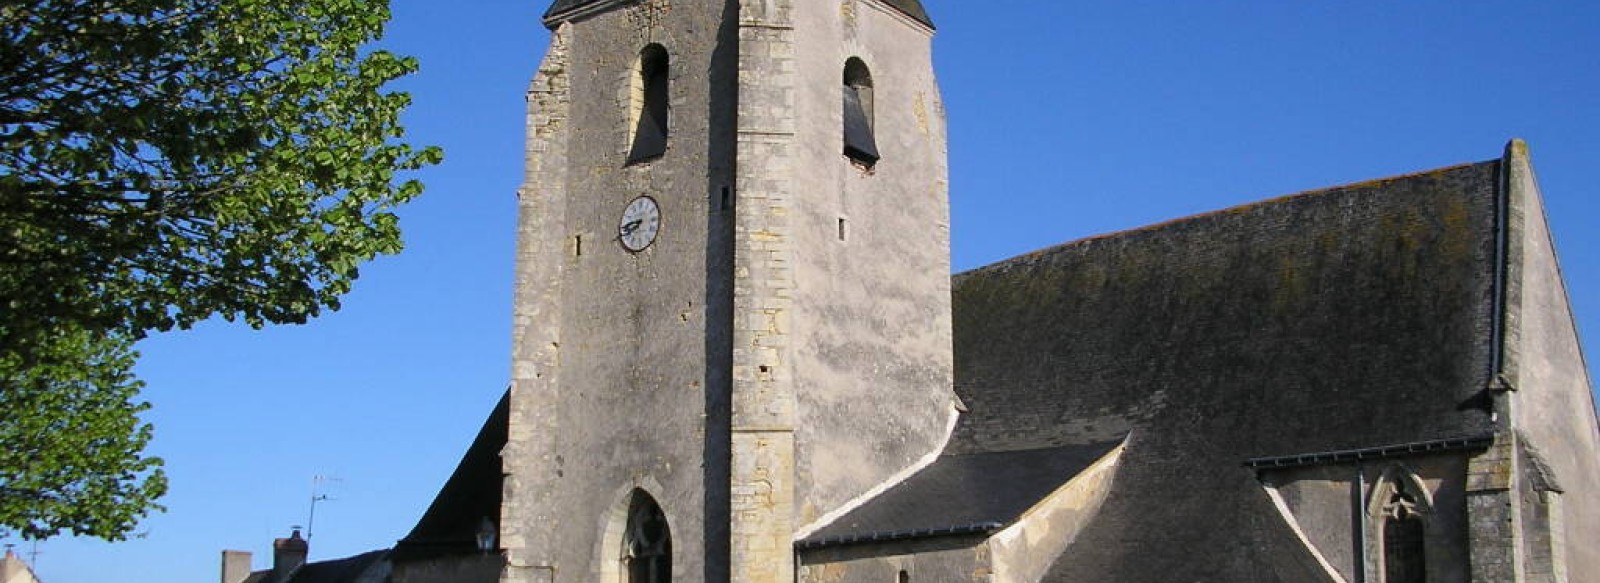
(732, 315)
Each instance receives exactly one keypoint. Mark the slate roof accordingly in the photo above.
(962, 494)
(473, 492)
(346, 570)
(1345, 318)
(339, 570)
(559, 8)
(912, 8)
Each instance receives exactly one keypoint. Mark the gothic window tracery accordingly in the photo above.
(1404, 535)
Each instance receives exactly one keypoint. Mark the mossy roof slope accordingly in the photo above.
(1350, 317)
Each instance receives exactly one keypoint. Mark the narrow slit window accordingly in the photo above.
(649, 105)
(859, 142)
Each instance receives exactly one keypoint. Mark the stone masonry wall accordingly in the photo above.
(1552, 408)
(953, 559)
(763, 414)
(871, 308)
(536, 326)
(617, 382)
(1493, 514)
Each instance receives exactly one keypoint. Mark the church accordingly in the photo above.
(739, 354)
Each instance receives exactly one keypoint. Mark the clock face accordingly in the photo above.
(640, 222)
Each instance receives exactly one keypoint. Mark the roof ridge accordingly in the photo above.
(1036, 254)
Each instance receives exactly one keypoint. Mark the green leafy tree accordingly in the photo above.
(163, 162)
(72, 438)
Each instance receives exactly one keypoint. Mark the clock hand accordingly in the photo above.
(629, 227)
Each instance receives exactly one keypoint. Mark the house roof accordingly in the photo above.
(1338, 319)
(562, 8)
(471, 495)
(345, 570)
(962, 494)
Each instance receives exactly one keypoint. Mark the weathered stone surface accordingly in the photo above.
(716, 367)
(943, 560)
(1552, 406)
(620, 376)
(871, 318)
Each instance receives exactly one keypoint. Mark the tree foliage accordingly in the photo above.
(72, 437)
(163, 162)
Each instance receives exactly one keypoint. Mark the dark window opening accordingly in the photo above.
(647, 544)
(859, 143)
(650, 105)
(1404, 539)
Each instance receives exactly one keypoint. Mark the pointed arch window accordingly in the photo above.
(859, 142)
(1404, 537)
(1399, 515)
(647, 542)
(648, 109)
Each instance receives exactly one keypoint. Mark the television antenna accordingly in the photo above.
(318, 482)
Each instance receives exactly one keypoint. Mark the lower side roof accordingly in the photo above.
(962, 494)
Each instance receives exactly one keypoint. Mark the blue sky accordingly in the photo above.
(1067, 119)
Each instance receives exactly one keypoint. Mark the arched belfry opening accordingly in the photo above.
(859, 142)
(649, 105)
(646, 542)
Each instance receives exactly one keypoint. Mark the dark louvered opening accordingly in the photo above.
(859, 143)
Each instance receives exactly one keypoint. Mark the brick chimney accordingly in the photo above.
(235, 566)
(288, 554)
